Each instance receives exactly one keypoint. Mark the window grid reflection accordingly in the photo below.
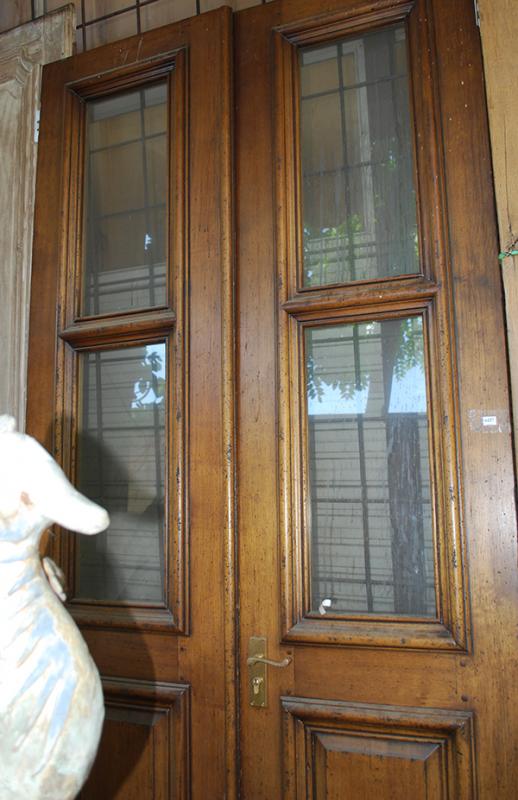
(121, 452)
(125, 208)
(370, 509)
(359, 207)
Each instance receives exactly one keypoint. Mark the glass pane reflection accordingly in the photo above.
(371, 526)
(121, 448)
(359, 208)
(125, 201)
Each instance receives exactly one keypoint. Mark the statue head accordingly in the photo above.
(34, 491)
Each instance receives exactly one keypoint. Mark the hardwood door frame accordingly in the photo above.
(177, 664)
(212, 657)
(481, 466)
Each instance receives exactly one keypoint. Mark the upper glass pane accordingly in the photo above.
(369, 472)
(358, 198)
(121, 465)
(125, 241)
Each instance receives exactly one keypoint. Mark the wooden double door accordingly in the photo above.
(267, 334)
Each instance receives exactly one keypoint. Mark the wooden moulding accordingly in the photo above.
(428, 294)
(429, 752)
(82, 334)
(162, 756)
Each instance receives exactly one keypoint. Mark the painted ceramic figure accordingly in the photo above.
(51, 703)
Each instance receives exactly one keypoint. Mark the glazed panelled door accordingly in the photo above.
(377, 539)
(133, 209)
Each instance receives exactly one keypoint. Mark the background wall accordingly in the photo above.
(23, 50)
(499, 30)
(103, 21)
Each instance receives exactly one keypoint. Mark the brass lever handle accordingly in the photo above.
(258, 670)
(262, 660)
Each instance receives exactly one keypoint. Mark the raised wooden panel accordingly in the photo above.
(144, 747)
(333, 750)
(369, 766)
(371, 300)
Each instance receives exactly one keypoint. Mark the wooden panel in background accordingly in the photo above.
(499, 32)
(23, 51)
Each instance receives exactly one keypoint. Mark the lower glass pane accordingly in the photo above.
(369, 472)
(121, 461)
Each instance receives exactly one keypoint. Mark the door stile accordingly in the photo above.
(210, 414)
(229, 392)
(489, 485)
(257, 463)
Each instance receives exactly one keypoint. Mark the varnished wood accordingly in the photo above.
(488, 472)
(145, 653)
(145, 742)
(361, 698)
(320, 24)
(376, 298)
(371, 293)
(118, 329)
(228, 326)
(466, 370)
(261, 729)
(130, 328)
(123, 615)
(184, 642)
(360, 747)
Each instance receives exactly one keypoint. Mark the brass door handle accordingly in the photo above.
(262, 660)
(258, 664)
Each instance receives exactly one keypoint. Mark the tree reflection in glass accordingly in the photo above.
(358, 198)
(121, 452)
(370, 527)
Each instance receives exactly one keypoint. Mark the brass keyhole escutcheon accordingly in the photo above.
(258, 664)
(257, 683)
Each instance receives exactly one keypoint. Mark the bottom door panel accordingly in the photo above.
(336, 750)
(144, 747)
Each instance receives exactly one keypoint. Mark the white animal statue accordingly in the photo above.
(51, 702)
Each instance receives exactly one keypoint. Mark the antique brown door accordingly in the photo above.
(377, 535)
(305, 453)
(132, 268)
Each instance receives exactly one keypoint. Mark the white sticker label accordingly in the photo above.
(489, 420)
